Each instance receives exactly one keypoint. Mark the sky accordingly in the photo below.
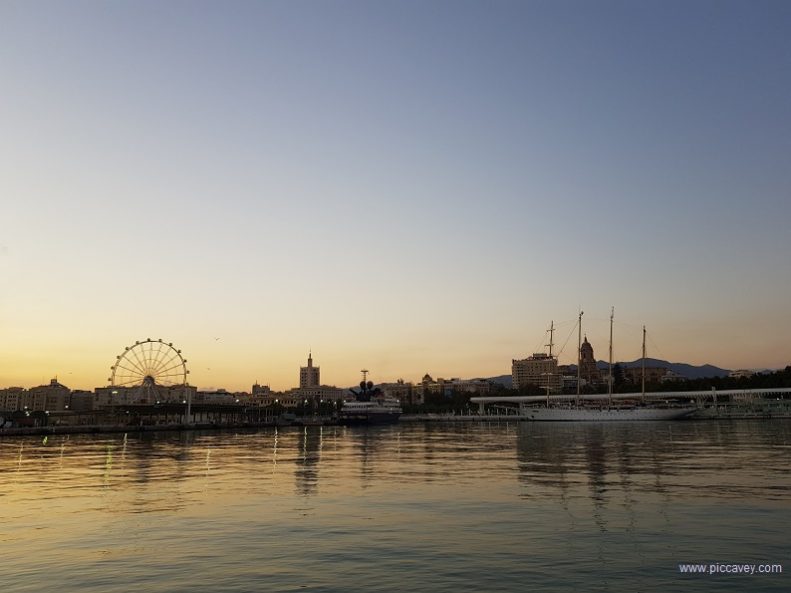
(407, 187)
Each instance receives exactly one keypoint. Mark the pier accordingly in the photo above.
(713, 404)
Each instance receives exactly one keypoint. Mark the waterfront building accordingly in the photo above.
(741, 374)
(671, 376)
(310, 389)
(261, 395)
(652, 374)
(12, 399)
(309, 376)
(260, 390)
(292, 398)
(479, 386)
(105, 397)
(431, 387)
(139, 395)
(286, 400)
(569, 383)
(446, 387)
(404, 392)
(218, 396)
(298, 396)
(81, 401)
(53, 397)
(539, 370)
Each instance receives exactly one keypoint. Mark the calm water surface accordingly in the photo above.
(451, 507)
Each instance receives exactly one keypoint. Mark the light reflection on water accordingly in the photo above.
(443, 507)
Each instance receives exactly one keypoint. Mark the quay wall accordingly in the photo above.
(720, 412)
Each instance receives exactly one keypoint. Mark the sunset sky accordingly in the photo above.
(408, 187)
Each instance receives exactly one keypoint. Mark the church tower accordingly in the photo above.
(588, 370)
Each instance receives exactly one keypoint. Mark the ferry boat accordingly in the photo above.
(370, 406)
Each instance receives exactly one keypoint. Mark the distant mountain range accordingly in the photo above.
(687, 371)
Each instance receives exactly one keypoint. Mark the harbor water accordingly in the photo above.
(441, 507)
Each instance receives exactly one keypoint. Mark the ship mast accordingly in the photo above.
(579, 355)
(609, 381)
(643, 365)
(551, 343)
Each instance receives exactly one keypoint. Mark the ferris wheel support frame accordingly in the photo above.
(152, 362)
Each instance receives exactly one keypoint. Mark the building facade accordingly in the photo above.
(539, 370)
(81, 401)
(454, 385)
(652, 374)
(309, 376)
(404, 392)
(12, 399)
(741, 374)
(139, 395)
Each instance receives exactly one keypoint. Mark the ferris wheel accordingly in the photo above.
(149, 363)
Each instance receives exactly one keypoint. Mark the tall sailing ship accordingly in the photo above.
(579, 411)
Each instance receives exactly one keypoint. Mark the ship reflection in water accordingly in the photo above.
(441, 507)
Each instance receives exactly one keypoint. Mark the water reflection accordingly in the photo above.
(664, 461)
(306, 472)
(604, 463)
(514, 502)
(554, 460)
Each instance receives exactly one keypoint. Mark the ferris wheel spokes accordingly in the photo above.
(149, 363)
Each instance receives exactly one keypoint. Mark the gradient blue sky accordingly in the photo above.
(405, 186)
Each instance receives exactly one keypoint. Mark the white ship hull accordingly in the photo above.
(581, 414)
